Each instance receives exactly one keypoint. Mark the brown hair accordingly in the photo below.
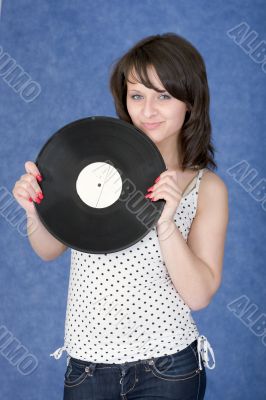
(181, 69)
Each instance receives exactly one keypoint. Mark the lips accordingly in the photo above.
(151, 125)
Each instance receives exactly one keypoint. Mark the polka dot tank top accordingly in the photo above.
(123, 306)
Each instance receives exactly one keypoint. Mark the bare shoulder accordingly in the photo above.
(212, 189)
(211, 179)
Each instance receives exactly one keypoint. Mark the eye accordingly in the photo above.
(165, 96)
(134, 96)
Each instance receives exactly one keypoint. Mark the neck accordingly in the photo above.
(169, 149)
(171, 158)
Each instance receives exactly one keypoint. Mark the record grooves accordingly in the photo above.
(96, 172)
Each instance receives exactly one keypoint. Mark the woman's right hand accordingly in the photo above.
(27, 189)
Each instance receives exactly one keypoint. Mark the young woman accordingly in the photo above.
(129, 332)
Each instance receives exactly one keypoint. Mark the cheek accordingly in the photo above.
(177, 114)
(129, 106)
(132, 109)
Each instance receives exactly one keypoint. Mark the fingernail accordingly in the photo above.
(30, 199)
(148, 195)
(157, 179)
(153, 199)
(40, 195)
(150, 188)
(39, 178)
(37, 200)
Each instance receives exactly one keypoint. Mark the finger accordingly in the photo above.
(32, 168)
(166, 192)
(22, 193)
(171, 200)
(164, 185)
(171, 178)
(167, 173)
(33, 181)
(30, 184)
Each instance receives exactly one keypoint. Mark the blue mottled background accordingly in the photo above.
(67, 48)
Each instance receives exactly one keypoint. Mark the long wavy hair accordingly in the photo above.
(181, 70)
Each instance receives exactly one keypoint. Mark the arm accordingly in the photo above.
(195, 267)
(45, 245)
(25, 189)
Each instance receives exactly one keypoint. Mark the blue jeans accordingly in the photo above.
(172, 377)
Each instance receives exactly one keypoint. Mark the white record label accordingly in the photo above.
(99, 185)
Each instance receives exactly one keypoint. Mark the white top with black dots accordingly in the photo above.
(123, 306)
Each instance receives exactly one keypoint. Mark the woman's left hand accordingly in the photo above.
(166, 188)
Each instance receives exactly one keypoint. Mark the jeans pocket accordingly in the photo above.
(181, 366)
(75, 374)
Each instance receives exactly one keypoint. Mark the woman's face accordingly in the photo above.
(159, 115)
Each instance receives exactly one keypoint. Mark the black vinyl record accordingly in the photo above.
(96, 172)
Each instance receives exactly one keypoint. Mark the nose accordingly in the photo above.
(149, 108)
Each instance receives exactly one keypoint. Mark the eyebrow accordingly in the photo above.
(135, 90)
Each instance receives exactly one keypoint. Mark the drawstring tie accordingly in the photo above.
(57, 354)
(203, 346)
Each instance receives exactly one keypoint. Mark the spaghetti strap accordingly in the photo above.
(199, 178)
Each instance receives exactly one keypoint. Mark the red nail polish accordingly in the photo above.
(157, 179)
(148, 195)
(30, 199)
(37, 200)
(40, 195)
(39, 178)
(150, 188)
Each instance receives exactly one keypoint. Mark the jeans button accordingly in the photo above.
(87, 369)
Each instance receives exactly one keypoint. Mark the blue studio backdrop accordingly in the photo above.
(61, 53)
